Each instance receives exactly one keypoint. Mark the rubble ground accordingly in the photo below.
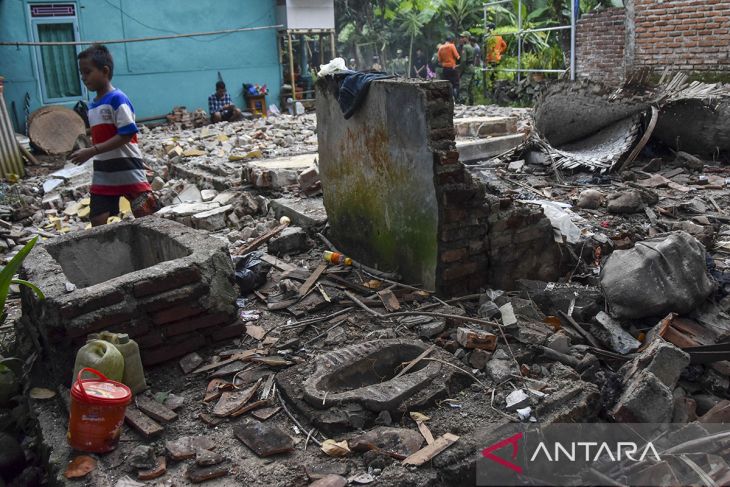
(545, 352)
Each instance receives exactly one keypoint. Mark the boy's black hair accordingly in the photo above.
(220, 85)
(100, 57)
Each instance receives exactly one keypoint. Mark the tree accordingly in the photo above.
(462, 14)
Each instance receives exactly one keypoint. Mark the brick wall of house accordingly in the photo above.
(599, 40)
(684, 34)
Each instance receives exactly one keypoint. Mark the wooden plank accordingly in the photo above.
(304, 289)
(142, 423)
(389, 300)
(413, 362)
(427, 453)
(279, 264)
(237, 356)
(259, 241)
(155, 410)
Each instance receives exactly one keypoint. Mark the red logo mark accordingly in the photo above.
(512, 440)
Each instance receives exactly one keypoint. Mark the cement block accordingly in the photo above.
(211, 220)
(477, 150)
(306, 213)
(290, 240)
(645, 400)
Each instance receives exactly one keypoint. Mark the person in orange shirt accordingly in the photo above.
(448, 57)
(497, 46)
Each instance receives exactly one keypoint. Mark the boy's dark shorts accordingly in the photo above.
(226, 115)
(101, 204)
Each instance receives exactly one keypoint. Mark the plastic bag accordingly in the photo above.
(337, 64)
(251, 271)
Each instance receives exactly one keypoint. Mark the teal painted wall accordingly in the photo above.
(156, 75)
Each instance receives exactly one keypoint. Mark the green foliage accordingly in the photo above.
(368, 27)
(7, 273)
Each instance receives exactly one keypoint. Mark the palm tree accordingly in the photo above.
(462, 13)
(412, 23)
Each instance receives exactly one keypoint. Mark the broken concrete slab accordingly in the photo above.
(612, 335)
(181, 210)
(662, 359)
(485, 126)
(590, 199)
(625, 202)
(212, 220)
(276, 173)
(479, 150)
(290, 240)
(645, 400)
(190, 194)
(660, 275)
(307, 213)
(208, 194)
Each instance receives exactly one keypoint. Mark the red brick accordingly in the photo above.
(159, 284)
(177, 313)
(106, 321)
(458, 271)
(172, 349)
(195, 323)
(83, 306)
(172, 298)
(453, 255)
(231, 331)
(153, 338)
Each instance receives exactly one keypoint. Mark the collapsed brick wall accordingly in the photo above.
(599, 41)
(462, 206)
(465, 261)
(521, 245)
(683, 34)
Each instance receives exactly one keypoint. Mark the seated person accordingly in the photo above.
(221, 106)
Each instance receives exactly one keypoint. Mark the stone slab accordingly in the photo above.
(484, 126)
(306, 212)
(477, 150)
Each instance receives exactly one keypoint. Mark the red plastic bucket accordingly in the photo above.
(97, 412)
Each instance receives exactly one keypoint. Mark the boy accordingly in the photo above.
(221, 106)
(118, 166)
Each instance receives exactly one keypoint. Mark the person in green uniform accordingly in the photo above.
(399, 65)
(466, 68)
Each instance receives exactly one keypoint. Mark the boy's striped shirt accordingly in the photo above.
(120, 171)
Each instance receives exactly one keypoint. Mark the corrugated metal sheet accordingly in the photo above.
(11, 160)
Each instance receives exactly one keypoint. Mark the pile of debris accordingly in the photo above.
(181, 119)
(391, 383)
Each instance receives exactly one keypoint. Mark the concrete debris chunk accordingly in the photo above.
(612, 335)
(590, 199)
(625, 202)
(290, 240)
(659, 275)
(211, 220)
(208, 194)
(517, 399)
(662, 359)
(645, 400)
(470, 338)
